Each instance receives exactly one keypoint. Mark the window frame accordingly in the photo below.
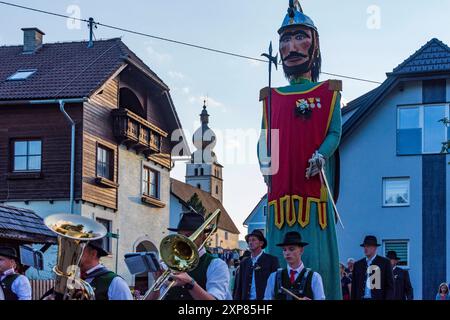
(383, 187)
(111, 161)
(147, 181)
(13, 154)
(407, 241)
(421, 108)
(30, 71)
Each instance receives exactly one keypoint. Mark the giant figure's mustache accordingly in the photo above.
(294, 55)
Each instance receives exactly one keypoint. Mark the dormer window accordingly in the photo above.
(21, 75)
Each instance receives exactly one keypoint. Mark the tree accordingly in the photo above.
(196, 204)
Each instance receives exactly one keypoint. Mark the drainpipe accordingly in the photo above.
(61, 103)
(72, 155)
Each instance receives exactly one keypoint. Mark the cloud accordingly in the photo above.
(255, 63)
(210, 102)
(186, 90)
(176, 75)
(155, 55)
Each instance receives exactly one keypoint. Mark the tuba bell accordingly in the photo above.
(74, 232)
(180, 253)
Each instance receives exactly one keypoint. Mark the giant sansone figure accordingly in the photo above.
(299, 160)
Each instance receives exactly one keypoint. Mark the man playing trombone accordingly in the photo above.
(210, 280)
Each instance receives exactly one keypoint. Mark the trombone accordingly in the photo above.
(180, 253)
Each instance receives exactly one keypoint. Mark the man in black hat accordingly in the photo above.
(210, 280)
(296, 281)
(107, 285)
(15, 286)
(372, 276)
(402, 283)
(251, 281)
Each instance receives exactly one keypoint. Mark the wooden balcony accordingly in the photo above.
(137, 133)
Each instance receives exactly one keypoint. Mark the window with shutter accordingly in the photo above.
(401, 247)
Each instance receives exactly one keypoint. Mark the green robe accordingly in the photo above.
(321, 255)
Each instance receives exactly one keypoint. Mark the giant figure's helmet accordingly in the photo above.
(296, 17)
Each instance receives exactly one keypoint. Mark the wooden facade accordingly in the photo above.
(47, 123)
(95, 126)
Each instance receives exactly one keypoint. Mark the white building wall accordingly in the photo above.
(137, 221)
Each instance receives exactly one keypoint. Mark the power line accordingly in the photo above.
(171, 40)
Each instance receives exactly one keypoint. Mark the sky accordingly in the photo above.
(358, 38)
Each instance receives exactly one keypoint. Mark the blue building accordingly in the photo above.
(394, 178)
(256, 220)
(395, 181)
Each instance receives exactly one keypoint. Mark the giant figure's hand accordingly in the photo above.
(316, 163)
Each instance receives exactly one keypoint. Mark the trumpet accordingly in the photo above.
(74, 232)
(180, 253)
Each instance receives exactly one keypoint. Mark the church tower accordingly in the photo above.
(203, 171)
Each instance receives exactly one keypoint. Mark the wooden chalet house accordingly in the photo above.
(108, 109)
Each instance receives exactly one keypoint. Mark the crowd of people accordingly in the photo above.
(255, 275)
(371, 278)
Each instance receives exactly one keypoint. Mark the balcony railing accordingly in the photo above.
(137, 133)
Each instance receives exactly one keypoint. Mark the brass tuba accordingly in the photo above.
(180, 253)
(71, 244)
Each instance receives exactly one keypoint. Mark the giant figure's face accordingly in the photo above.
(297, 49)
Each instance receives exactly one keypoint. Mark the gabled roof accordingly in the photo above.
(263, 198)
(434, 56)
(23, 225)
(184, 192)
(66, 69)
(431, 59)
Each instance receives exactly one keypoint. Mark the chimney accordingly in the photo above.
(32, 39)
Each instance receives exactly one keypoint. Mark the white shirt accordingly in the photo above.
(20, 287)
(118, 289)
(316, 284)
(217, 279)
(253, 287)
(367, 290)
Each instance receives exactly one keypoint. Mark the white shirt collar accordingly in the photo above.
(255, 259)
(94, 268)
(298, 270)
(8, 272)
(201, 252)
(369, 261)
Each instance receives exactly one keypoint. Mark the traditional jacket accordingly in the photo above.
(6, 284)
(198, 274)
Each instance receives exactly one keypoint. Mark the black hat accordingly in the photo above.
(392, 255)
(98, 245)
(259, 235)
(370, 241)
(292, 238)
(190, 221)
(8, 252)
